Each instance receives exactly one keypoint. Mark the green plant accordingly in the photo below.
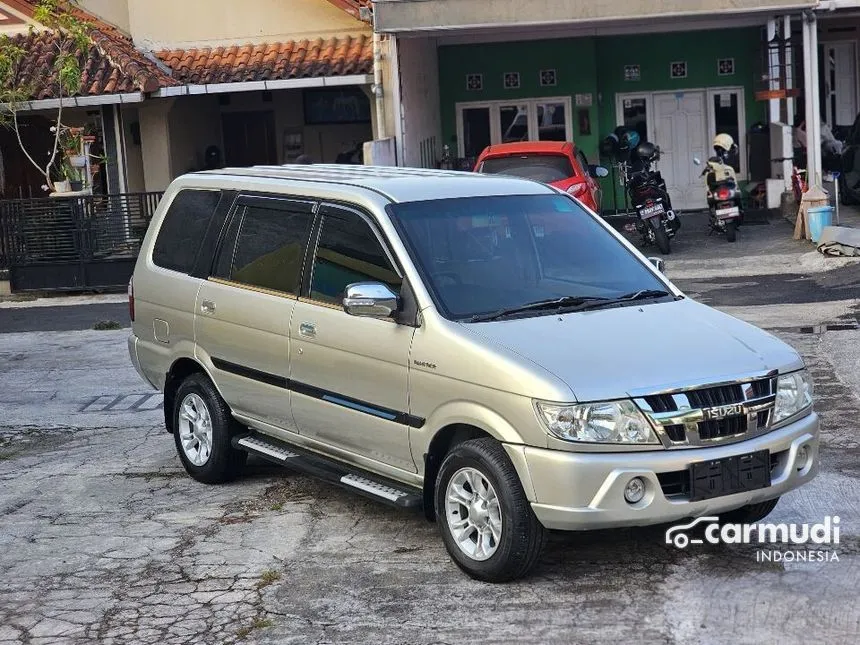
(61, 78)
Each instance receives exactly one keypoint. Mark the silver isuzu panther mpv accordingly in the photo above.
(480, 346)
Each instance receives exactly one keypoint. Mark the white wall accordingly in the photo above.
(113, 11)
(419, 95)
(159, 24)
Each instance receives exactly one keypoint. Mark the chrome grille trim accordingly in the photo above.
(757, 395)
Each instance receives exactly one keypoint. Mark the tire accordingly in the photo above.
(732, 231)
(521, 536)
(662, 238)
(223, 463)
(749, 514)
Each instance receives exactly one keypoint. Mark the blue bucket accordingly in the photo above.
(819, 217)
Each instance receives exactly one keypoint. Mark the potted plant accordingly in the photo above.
(74, 174)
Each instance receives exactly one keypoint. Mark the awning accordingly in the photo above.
(404, 16)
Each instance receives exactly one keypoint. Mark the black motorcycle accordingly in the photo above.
(656, 220)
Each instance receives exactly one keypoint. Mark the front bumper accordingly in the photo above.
(583, 491)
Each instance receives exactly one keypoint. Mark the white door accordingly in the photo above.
(680, 124)
(840, 68)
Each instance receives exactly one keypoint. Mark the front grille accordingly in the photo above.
(713, 396)
(695, 423)
(717, 428)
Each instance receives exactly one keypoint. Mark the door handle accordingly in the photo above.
(207, 307)
(308, 329)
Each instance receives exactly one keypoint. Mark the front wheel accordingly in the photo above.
(487, 524)
(661, 237)
(731, 230)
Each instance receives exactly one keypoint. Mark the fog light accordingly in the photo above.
(635, 490)
(802, 457)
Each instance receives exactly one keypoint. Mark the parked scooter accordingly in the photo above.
(724, 195)
(656, 220)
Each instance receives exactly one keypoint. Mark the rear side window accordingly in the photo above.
(538, 167)
(265, 248)
(183, 229)
(348, 252)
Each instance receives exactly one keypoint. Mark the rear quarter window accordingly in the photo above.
(184, 228)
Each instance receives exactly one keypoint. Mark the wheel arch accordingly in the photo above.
(179, 370)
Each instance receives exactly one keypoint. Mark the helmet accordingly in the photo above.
(630, 139)
(609, 146)
(724, 142)
(645, 151)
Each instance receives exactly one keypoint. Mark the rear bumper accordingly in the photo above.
(583, 491)
(135, 359)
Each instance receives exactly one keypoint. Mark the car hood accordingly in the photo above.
(619, 352)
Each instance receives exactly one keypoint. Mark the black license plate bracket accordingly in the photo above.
(730, 475)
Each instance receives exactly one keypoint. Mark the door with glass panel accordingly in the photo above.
(349, 375)
(243, 309)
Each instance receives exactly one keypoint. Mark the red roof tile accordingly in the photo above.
(110, 65)
(338, 56)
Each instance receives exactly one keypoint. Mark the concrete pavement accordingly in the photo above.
(104, 539)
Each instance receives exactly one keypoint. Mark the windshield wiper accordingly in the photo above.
(570, 304)
(642, 294)
(559, 303)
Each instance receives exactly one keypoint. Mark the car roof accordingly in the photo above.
(529, 147)
(395, 183)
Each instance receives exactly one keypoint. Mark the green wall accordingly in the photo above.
(574, 60)
(596, 66)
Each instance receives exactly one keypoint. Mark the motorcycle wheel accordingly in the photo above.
(731, 231)
(661, 237)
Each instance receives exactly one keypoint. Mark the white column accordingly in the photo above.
(789, 67)
(810, 94)
(773, 68)
(816, 100)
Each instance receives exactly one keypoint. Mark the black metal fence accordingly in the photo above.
(82, 242)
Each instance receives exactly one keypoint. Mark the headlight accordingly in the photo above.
(607, 422)
(793, 395)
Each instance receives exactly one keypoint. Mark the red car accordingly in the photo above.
(557, 163)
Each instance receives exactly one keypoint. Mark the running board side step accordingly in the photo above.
(367, 484)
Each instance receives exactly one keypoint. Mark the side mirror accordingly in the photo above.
(598, 171)
(371, 300)
(659, 264)
(697, 161)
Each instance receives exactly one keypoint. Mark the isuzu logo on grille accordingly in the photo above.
(723, 411)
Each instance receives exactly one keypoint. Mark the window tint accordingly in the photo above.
(482, 254)
(183, 229)
(265, 248)
(348, 252)
(545, 168)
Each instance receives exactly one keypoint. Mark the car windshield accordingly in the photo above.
(480, 255)
(545, 168)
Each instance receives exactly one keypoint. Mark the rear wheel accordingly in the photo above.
(661, 238)
(487, 524)
(731, 231)
(202, 429)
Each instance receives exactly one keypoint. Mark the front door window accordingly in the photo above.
(476, 130)
(552, 121)
(515, 123)
(482, 124)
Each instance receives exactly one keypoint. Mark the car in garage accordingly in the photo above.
(558, 163)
